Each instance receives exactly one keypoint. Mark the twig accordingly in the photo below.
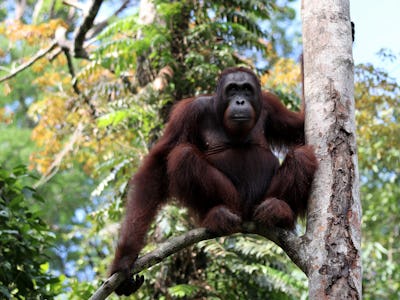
(65, 46)
(288, 240)
(35, 58)
(72, 72)
(74, 4)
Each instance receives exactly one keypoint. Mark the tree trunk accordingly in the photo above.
(334, 216)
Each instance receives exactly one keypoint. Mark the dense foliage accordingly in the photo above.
(25, 241)
(378, 112)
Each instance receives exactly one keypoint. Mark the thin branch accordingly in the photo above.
(288, 240)
(75, 47)
(74, 4)
(65, 45)
(80, 34)
(98, 27)
(72, 71)
(52, 56)
(35, 58)
(71, 68)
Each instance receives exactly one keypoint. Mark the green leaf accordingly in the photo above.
(183, 290)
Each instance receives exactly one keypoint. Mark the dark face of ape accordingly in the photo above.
(239, 99)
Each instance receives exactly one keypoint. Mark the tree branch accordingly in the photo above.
(61, 41)
(76, 47)
(36, 57)
(65, 45)
(80, 34)
(98, 27)
(287, 240)
(74, 4)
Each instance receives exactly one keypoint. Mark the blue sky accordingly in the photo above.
(377, 27)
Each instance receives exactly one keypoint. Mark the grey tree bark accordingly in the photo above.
(334, 217)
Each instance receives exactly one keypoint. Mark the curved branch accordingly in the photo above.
(164, 250)
(35, 58)
(287, 240)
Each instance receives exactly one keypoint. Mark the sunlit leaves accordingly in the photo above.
(284, 80)
(378, 110)
(16, 31)
(285, 75)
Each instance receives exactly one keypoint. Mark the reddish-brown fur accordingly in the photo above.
(221, 177)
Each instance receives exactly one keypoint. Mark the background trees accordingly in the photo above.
(93, 108)
(25, 241)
